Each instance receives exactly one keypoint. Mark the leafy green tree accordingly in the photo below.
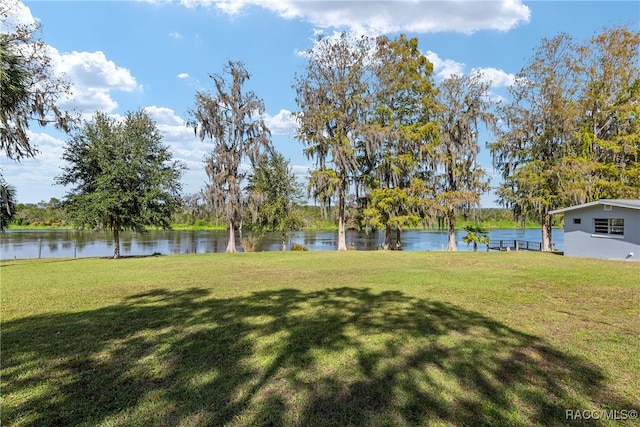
(391, 208)
(332, 98)
(475, 235)
(122, 176)
(30, 91)
(275, 197)
(539, 129)
(7, 204)
(400, 130)
(231, 119)
(464, 106)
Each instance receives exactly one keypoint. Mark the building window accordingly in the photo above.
(577, 220)
(609, 226)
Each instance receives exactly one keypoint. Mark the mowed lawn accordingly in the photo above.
(319, 339)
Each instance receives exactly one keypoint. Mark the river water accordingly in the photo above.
(20, 244)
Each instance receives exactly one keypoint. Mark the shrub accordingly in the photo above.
(251, 242)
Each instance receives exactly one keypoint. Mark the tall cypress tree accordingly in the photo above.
(230, 118)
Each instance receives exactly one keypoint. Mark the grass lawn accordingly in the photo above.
(320, 339)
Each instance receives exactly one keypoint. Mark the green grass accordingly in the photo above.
(318, 338)
(40, 227)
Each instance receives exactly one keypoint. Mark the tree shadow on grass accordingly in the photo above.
(342, 356)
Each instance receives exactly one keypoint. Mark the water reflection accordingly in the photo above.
(69, 243)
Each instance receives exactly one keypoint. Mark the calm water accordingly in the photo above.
(69, 244)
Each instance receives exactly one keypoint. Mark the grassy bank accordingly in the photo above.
(319, 338)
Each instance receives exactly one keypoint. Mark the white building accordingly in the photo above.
(602, 229)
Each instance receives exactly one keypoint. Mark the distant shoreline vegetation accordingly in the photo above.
(50, 215)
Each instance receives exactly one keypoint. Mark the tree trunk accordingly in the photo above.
(284, 241)
(387, 238)
(342, 238)
(451, 242)
(546, 231)
(398, 239)
(475, 246)
(231, 246)
(116, 241)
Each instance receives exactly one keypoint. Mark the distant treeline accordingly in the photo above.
(51, 215)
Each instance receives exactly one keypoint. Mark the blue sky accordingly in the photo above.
(120, 56)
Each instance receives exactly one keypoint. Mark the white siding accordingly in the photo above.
(582, 241)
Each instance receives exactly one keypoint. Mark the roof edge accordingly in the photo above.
(620, 203)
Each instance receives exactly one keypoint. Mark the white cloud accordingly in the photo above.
(93, 69)
(93, 77)
(301, 172)
(183, 76)
(421, 16)
(176, 133)
(496, 77)
(176, 35)
(34, 187)
(443, 68)
(281, 123)
(164, 116)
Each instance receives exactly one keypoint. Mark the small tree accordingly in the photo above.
(231, 119)
(387, 208)
(475, 235)
(123, 176)
(275, 197)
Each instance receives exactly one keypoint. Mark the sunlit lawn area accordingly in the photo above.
(319, 338)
